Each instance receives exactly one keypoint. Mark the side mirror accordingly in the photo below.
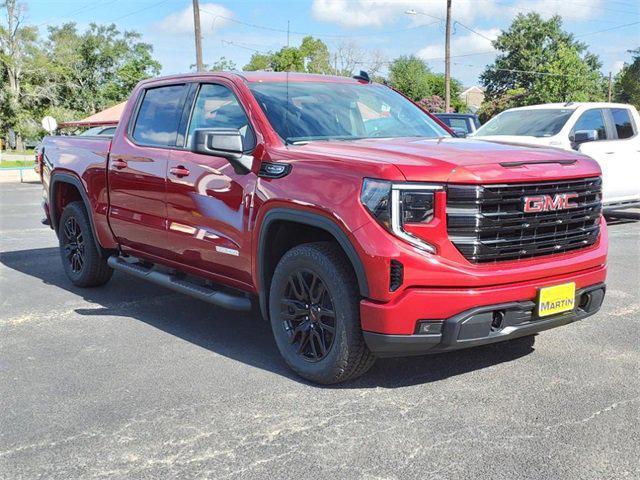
(583, 136)
(459, 132)
(225, 143)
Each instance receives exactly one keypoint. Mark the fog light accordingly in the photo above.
(430, 327)
(498, 317)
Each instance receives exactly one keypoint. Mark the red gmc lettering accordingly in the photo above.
(547, 203)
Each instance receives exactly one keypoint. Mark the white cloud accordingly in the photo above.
(182, 21)
(584, 10)
(377, 13)
(462, 44)
(617, 66)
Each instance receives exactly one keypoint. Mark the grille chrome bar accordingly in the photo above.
(487, 223)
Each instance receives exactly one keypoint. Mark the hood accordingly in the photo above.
(460, 160)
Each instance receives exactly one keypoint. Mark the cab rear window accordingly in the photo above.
(159, 116)
(622, 121)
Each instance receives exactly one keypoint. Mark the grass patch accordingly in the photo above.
(29, 151)
(16, 163)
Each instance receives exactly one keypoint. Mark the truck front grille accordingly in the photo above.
(488, 223)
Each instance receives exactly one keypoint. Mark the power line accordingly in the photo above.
(607, 29)
(140, 10)
(314, 34)
(229, 42)
(73, 13)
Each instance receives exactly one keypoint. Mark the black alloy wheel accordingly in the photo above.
(82, 261)
(314, 311)
(73, 245)
(308, 315)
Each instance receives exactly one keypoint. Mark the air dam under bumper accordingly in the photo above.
(485, 325)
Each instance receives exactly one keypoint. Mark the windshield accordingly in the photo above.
(305, 111)
(532, 123)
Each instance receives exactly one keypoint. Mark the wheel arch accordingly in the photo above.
(331, 230)
(58, 181)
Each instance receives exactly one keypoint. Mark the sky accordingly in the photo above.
(236, 29)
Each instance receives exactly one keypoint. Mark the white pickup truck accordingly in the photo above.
(607, 132)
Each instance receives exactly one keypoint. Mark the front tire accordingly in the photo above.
(314, 309)
(78, 249)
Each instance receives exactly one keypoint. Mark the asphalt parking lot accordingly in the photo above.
(135, 381)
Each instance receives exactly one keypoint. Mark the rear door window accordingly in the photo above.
(592, 120)
(623, 123)
(159, 116)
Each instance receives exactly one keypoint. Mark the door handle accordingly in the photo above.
(119, 163)
(179, 171)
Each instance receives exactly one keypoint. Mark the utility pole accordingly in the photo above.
(609, 93)
(447, 60)
(287, 33)
(196, 27)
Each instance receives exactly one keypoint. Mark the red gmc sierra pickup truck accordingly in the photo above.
(355, 220)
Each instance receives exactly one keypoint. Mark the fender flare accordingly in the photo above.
(68, 178)
(314, 220)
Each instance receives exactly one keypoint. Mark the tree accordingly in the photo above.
(288, 59)
(312, 56)
(433, 103)
(493, 106)
(259, 61)
(315, 55)
(412, 76)
(538, 56)
(627, 83)
(222, 64)
(98, 67)
(17, 43)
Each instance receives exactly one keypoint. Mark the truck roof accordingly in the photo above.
(573, 105)
(260, 77)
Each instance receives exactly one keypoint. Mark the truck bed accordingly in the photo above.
(76, 153)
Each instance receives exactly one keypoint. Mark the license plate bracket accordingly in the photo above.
(556, 299)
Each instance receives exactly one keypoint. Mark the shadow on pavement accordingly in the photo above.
(243, 337)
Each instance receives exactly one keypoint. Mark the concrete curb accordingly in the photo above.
(11, 175)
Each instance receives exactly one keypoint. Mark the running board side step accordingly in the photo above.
(179, 284)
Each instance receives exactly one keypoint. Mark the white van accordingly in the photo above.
(607, 132)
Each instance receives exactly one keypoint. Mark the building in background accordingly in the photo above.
(472, 97)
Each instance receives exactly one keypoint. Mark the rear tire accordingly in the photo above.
(78, 249)
(314, 309)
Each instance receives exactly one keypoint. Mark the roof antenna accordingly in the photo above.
(364, 76)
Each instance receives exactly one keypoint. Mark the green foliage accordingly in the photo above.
(493, 106)
(222, 64)
(69, 74)
(564, 70)
(316, 56)
(288, 59)
(626, 88)
(411, 76)
(312, 56)
(96, 68)
(259, 61)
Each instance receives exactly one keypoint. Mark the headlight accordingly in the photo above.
(416, 206)
(376, 197)
(397, 204)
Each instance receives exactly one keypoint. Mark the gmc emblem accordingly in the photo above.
(547, 203)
